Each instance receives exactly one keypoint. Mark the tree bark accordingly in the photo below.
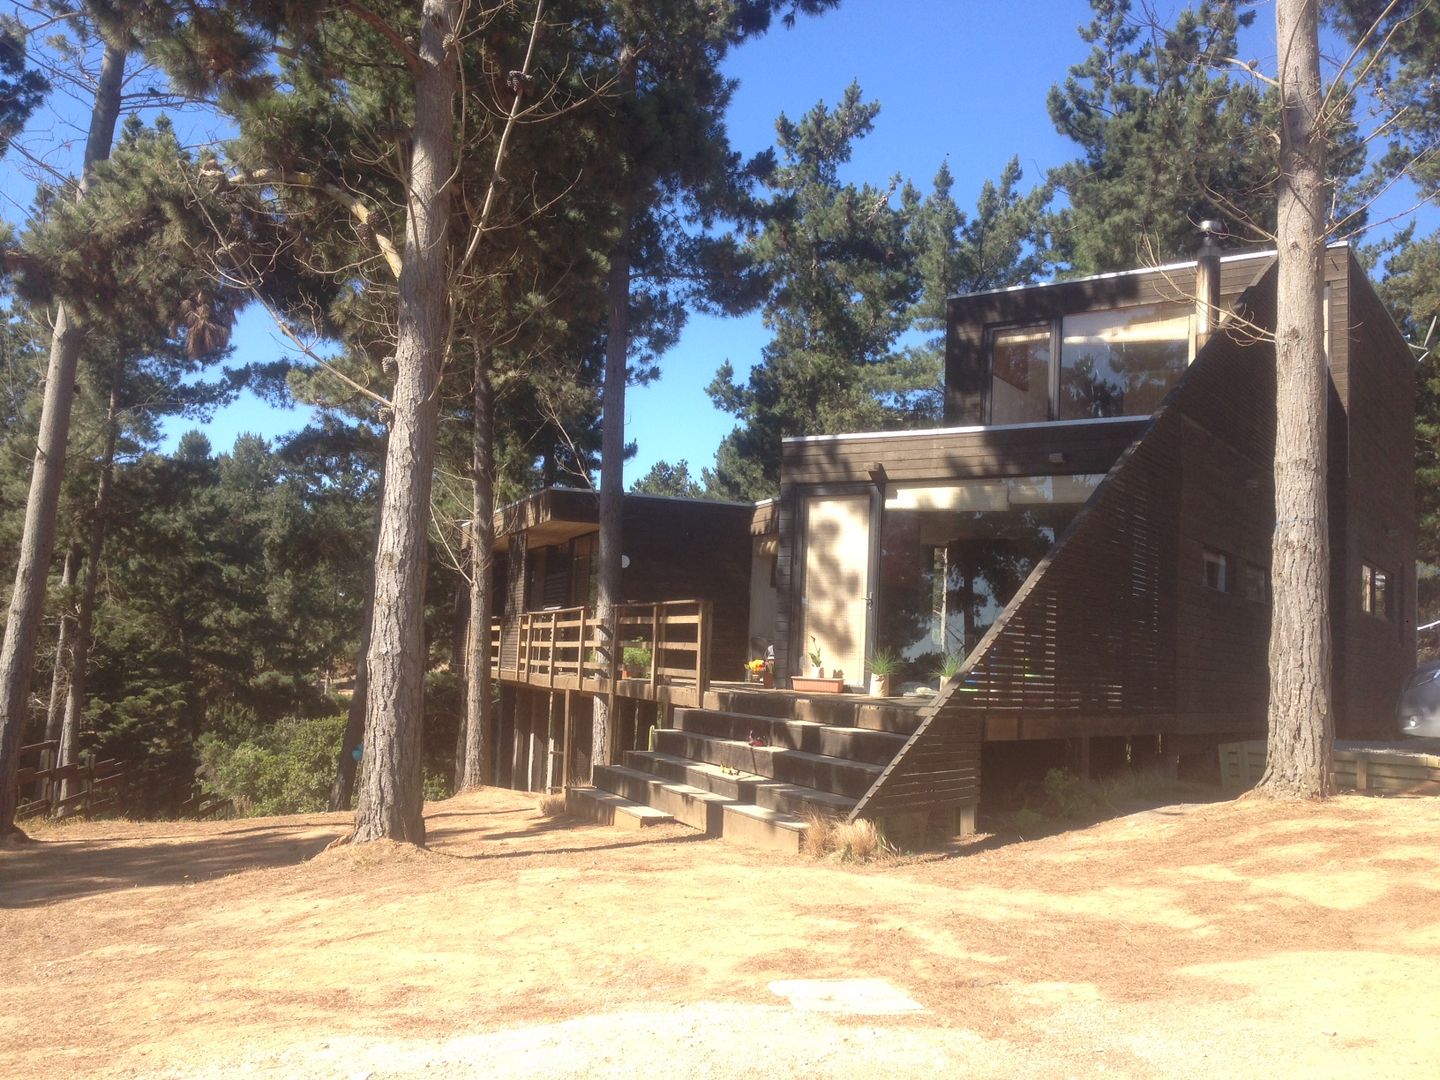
(391, 804)
(343, 788)
(84, 624)
(60, 673)
(612, 441)
(37, 544)
(1301, 721)
(612, 465)
(478, 706)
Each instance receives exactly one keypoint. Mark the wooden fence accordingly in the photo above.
(93, 787)
(1392, 768)
(572, 649)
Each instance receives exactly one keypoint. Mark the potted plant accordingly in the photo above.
(883, 665)
(635, 660)
(950, 666)
(760, 672)
(814, 680)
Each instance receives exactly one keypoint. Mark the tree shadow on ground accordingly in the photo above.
(47, 871)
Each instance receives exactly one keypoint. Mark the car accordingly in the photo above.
(1418, 711)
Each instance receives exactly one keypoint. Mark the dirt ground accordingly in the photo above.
(1228, 939)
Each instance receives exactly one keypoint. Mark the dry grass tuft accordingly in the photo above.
(552, 806)
(846, 841)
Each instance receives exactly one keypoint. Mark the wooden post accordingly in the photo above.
(1362, 772)
(579, 660)
(554, 651)
(613, 701)
(702, 652)
(565, 742)
(655, 646)
(522, 721)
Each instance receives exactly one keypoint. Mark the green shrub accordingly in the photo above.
(284, 770)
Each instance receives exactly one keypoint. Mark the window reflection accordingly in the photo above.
(1020, 363)
(1121, 362)
(952, 557)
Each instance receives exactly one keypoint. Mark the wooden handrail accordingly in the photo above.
(558, 644)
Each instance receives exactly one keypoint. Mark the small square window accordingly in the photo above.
(1255, 583)
(1217, 570)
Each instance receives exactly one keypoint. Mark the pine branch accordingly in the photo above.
(388, 32)
(357, 207)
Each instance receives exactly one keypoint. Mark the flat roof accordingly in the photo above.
(967, 430)
(1241, 256)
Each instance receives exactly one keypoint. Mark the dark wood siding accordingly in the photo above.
(679, 549)
(969, 317)
(1084, 446)
(1379, 511)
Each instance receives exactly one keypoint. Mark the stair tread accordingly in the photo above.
(669, 785)
(704, 766)
(848, 729)
(804, 755)
(774, 817)
(818, 795)
(622, 805)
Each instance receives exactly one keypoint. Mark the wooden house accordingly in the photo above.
(1091, 530)
(1085, 544)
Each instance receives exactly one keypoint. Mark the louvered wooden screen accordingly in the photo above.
(1092, 631)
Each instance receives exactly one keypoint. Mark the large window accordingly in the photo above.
(1119, 362)
(1020, 365)
(1122, 362)
(952, 556)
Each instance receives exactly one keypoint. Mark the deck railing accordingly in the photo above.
(572, 649)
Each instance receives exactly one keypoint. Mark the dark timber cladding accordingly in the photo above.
(968, 318)
(956, 454)
(1119, 631)
(678, 549)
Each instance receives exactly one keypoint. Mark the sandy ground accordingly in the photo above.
(1230, 939)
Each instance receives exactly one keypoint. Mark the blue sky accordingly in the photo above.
(957, 80)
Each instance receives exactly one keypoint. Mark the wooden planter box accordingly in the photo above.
(805, 684)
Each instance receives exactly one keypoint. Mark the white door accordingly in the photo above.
(837, 584)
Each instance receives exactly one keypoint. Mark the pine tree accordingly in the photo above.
(22, 89)
(1301, 719)
(22, 627)
(842, 283)
(1169, 138)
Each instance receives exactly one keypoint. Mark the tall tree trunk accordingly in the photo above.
(60, 673)
(342, 790)
(612, 466)
(1302, 726)
(37, 544)
(612, 439)
(478, 705)
(459, 654)
(84, 625)
(391, 804)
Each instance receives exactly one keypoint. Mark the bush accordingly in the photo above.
(285, 770)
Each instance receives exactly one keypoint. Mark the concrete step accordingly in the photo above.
(739, 786)
(842, 712)
(852, 778)
(607, 808)
(847, 710)
(755, 702)
(828, 740)
(758, 827)
(800, 801)
(687, 804)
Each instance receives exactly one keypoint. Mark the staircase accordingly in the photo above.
(753, 769)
